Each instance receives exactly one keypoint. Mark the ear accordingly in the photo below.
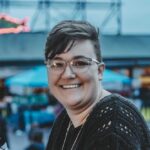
(101, 69)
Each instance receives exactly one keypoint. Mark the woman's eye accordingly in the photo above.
(57, 65)
(81, 63)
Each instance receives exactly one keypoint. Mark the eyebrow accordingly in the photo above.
(75, 57)
(79, 56)
(57, 58)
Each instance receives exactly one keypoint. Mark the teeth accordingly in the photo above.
(70, 86)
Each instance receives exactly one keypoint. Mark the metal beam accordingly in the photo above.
(112, 7)
(30, 3)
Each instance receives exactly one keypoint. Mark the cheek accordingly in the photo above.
(51, 81)
(91, 89)
(91, 75)
(90, 80)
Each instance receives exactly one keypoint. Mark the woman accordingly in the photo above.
(93, 119)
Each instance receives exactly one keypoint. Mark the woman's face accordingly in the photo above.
(77, 89)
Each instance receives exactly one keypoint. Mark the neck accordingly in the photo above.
(79, 116)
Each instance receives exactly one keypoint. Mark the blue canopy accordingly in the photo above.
(111, 76)
(37, 77)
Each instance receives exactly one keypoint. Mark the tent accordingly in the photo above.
(111, 76)
(36, 77)
(115, 81)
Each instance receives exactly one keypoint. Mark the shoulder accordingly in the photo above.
(117, 104)
(119, 108)
(115, 116)
(115, 99)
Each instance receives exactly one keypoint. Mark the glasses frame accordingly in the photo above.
(69, 63)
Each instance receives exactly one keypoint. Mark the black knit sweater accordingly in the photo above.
(113, 124)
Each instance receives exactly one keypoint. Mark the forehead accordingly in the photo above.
(80, 48)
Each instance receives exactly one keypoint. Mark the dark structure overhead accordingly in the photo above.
(118, 50)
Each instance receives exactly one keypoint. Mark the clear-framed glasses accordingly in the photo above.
(77, 64)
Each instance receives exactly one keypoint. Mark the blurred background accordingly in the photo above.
(27, 109)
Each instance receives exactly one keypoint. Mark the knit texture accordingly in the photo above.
(114, 124)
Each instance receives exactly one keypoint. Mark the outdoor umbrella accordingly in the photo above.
(111, 76)
(115, 81)
(36, 77)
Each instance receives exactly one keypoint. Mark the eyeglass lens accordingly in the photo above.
(77, 64)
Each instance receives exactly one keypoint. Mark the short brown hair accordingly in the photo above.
(69, 31)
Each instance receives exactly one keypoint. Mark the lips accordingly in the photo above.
(70, 86)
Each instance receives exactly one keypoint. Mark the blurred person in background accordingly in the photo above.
(3, 134)
(3, 124)
(93, 118)
(36, 140)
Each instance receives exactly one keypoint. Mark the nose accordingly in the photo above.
(68, 73)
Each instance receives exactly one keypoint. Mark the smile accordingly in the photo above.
(70, 86)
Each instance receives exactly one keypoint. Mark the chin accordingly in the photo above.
(71, 102)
